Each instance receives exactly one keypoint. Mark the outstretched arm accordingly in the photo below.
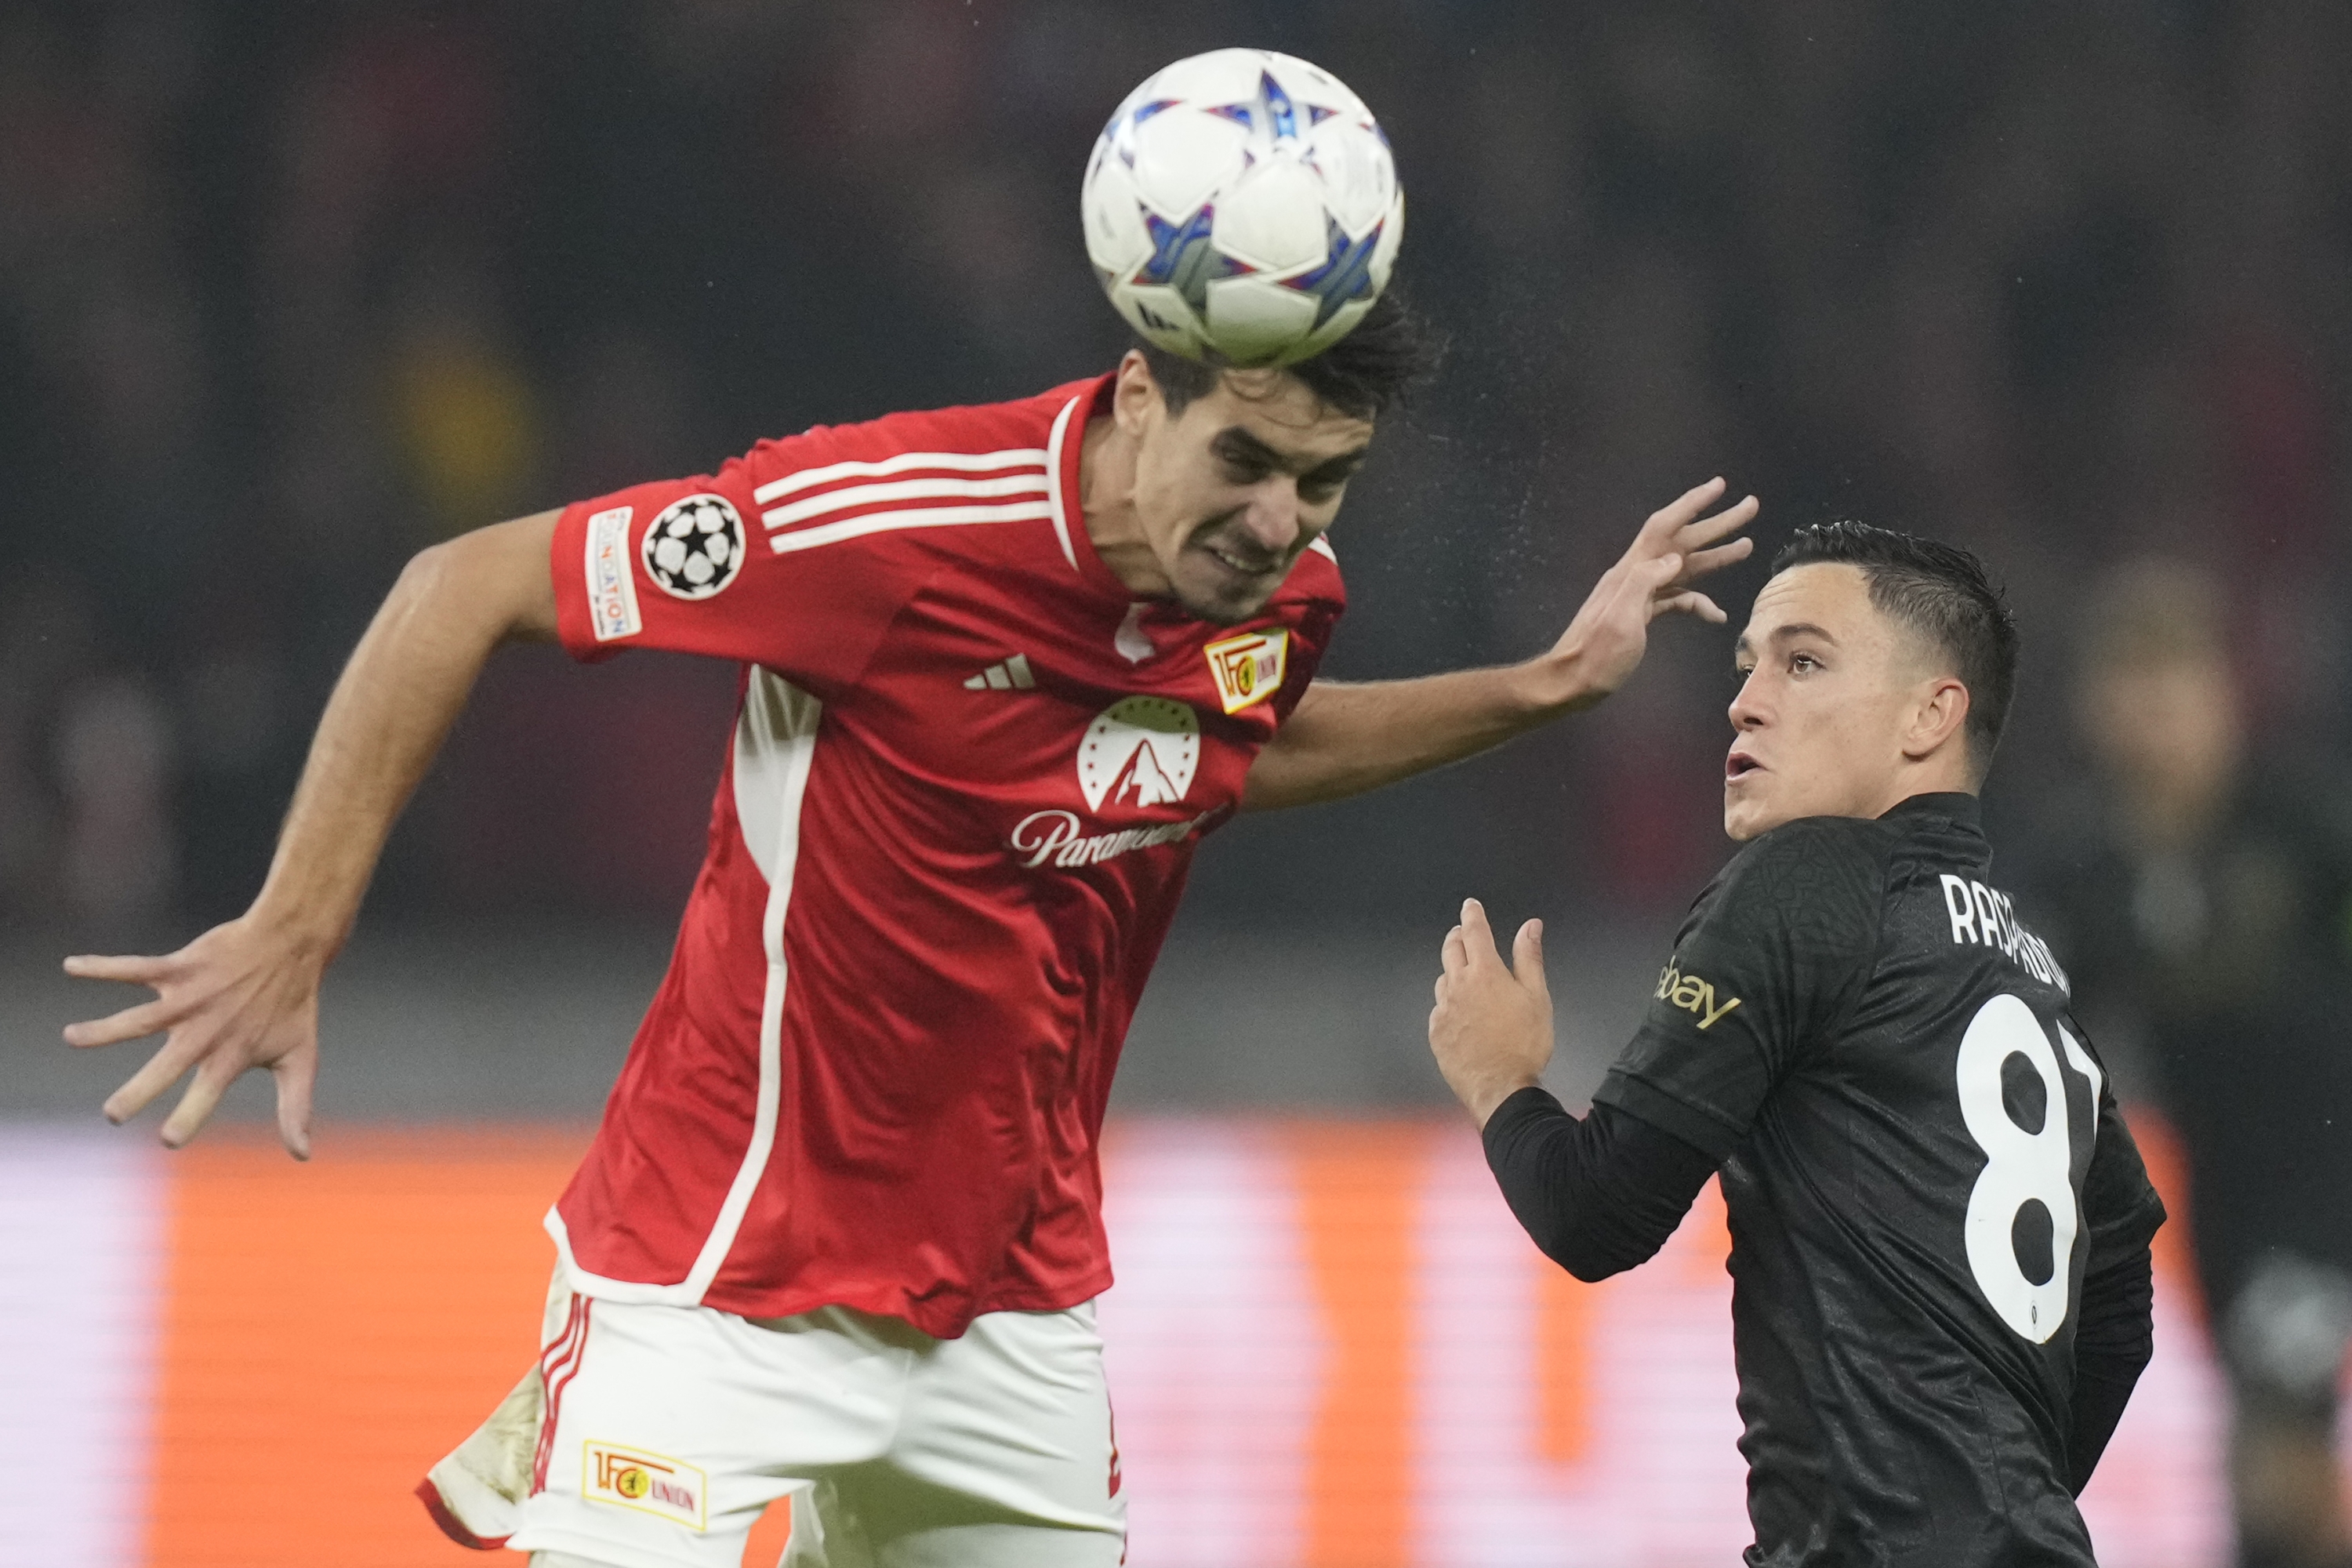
(246, 993)
(1344, 739)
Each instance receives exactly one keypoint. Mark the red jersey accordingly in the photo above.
(968, 774)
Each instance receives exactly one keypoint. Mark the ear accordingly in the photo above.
(1937, 718)
(1135, 401)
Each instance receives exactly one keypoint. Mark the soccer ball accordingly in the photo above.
(1241, 206)
(695, 547)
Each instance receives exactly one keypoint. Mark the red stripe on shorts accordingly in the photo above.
(558, 1366)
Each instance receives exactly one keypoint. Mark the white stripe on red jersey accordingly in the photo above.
(918, 517)
(962, 462)
(1027, 482)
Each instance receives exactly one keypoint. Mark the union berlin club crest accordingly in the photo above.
(1249, 668)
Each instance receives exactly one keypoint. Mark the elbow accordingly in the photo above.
(427, 568)
(493, 582)
(436, 590)
(1593, 1245)
(1588, 1269)
(1584, 1254)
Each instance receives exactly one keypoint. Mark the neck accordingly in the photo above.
(1106, 474)
(1934, 775)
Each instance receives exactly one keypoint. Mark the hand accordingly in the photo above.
(238, 996)
(1677, 547)
(1491, 1029)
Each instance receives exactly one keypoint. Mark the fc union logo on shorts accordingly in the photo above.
(1249, 668)
(650, 1483)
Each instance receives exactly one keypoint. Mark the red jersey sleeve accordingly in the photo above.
(684, 565)
(1319, 601)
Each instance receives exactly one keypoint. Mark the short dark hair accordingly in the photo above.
(1939, 591)
(1363, 376)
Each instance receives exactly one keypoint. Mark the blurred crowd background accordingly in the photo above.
(288, 291)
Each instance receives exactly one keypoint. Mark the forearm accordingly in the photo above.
(1345, 738)
(2114, 1341)
(1597, 1195)
(392, 707)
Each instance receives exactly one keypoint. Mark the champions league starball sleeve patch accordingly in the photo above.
(695, 547)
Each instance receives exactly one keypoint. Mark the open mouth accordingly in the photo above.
(1235, 564)
(1740, 764)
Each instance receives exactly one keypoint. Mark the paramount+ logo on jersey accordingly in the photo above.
(1691, 995)
(1140, 751)
(650, 1483)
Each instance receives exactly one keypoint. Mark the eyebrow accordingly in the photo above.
(1789, 633)
(1236, 445)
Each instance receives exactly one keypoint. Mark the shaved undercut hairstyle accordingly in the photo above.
(1363, 376)
(1942, 593)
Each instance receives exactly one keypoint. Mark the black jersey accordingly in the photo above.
(1921, 1156)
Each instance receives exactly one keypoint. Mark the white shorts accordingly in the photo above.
(669, 1429)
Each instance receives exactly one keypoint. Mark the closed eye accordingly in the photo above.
(1249, 462)
(1322, 484)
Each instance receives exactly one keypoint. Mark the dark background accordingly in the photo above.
(288, 291)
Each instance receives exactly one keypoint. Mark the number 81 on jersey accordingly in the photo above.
(2021, 1167)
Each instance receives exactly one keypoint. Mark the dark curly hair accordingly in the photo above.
(1363, 376)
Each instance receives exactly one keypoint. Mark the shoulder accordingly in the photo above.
(1819, 878)
(907, 481)
(969, 429)
(1314, 586)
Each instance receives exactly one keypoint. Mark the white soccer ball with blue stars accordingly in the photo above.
(1243, 206)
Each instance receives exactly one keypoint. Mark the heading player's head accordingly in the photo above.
(1875, 666)
(1238, 471)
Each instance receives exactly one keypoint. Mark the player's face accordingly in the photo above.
(1230, 492)
(1828, 689)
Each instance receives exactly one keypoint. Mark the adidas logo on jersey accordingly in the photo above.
(1012, 675)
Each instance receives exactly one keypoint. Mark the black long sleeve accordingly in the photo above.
(2113, 1341)
(1598, 1195)
(2115, 1332)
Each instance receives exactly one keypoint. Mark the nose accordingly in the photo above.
(1271, 519)
(1747, 704)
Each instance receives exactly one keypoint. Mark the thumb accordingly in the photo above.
(297, 1075)
(1527, 957)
